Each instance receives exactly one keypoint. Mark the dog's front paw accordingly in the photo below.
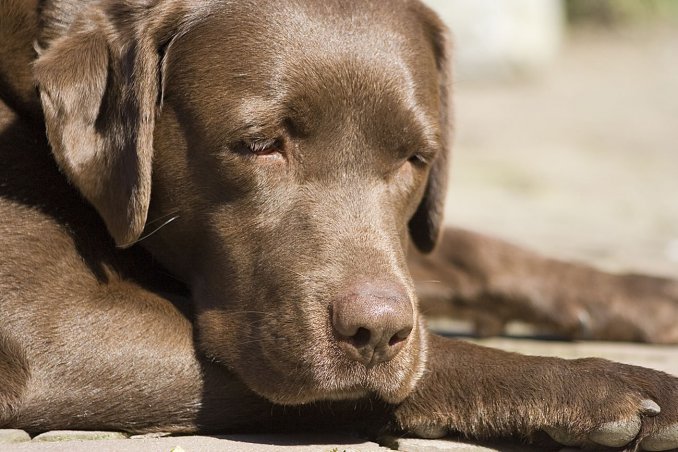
(602, 306)
(621, 432)
(638, 307)
(591, 403)
(626, 406)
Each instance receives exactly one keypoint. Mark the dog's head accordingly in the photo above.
(298, 145)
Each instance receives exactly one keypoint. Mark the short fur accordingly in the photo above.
(215, 175)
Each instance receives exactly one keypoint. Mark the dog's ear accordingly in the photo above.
(426, 223)
(98, 85)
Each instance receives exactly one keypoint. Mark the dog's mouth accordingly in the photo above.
(335, 378)
(295, 370)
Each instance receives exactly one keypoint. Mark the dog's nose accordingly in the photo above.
(372, 321)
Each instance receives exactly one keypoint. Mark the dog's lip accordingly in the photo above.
(353, 381)
(324, 372)
(358, 381)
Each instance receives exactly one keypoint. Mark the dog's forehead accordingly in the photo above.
(331, 58)
(300, 22)
(238, 39)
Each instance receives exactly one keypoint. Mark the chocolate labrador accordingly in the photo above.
(205, 210)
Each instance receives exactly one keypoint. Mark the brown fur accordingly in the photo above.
(222, 313)
(493, 282)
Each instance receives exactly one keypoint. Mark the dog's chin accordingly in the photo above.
(338, 379)
(299, 395)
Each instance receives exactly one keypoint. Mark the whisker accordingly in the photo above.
(150, 233)
(162, 217)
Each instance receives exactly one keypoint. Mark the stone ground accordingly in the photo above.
(581, 163)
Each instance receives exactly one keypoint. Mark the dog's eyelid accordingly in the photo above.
(422, 156)
(418, 159)
(255, 147)
(266, 146)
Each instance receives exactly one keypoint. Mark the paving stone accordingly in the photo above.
(438, 445)
(231, 443)
(445, 445)
(151, 435)
(13, 436)
(77, 435)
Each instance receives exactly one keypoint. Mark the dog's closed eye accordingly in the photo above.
(419, 160)
(268, 148)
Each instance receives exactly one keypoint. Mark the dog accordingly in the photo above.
(206, 213)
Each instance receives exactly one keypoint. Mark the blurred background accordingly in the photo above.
(566, 134)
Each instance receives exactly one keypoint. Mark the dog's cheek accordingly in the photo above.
(216, 337)
(266, 363)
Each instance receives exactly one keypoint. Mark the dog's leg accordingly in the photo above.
(14, 375)
(116, 357)
(481, 392)
(494, 282)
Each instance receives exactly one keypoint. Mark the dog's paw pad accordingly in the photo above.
(621, 432)
(430, 431)
(610, 434)
(562, 436)
(616, 433)
(664, 439)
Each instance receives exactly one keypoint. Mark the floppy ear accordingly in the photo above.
(99, 88)
(426, 223)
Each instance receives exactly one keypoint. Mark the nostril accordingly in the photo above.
(361, 338)
(372, 321)
(400, 336)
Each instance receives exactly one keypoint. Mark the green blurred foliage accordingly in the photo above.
(613, 12)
